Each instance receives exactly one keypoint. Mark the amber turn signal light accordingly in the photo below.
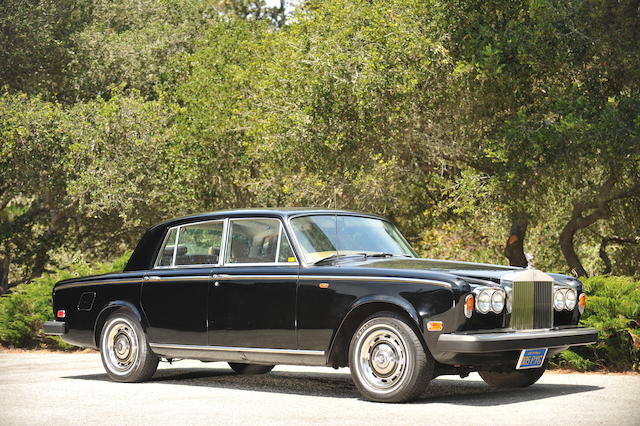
(468, 305)
(582, 302)
(434, 326)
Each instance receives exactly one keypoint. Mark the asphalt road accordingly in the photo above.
(56, 389)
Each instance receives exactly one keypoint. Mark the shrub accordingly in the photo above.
(24, 310)
(613, 308)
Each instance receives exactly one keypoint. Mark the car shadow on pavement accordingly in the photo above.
(340, 385)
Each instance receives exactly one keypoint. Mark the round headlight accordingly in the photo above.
(497, 302)
(483, 302)
(570, 299)
(558, 300)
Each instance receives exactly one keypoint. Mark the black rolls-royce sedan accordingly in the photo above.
(257, 288)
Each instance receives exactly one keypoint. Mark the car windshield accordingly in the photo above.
(328, 236)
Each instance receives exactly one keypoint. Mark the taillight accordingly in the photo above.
(61, 314)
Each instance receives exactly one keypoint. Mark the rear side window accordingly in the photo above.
(197, 244)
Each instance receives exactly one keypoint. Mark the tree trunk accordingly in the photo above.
(603, 250)
(514, 248)
(600, 208)
(568, 250)
(4, 274)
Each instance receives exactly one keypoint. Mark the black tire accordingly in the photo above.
(125, 352)
(250, 368)
(513, 378)
(402, 368)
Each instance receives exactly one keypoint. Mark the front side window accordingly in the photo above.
(197, 244)
(325, 235)
(258, 241)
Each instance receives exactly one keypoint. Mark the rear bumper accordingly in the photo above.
(57, 328)
(512, 340)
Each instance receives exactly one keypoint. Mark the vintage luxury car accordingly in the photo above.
(257, 288)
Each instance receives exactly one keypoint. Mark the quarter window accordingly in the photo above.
(166, 255)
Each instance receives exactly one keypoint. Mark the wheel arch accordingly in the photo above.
(109, 309)
(359, 311)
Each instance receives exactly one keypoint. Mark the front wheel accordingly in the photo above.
(387, 360)
(124, 350)
(513, 378)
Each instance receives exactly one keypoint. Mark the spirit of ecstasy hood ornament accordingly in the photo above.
(529, 258)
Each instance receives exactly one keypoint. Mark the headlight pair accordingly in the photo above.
(490, 300)
(564, 299)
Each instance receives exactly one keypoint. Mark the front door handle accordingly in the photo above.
(218, 277)
(152, 277)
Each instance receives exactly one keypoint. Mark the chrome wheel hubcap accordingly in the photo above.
(382, 359)
(121, 347)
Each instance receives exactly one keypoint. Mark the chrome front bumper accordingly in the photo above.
(511, 340)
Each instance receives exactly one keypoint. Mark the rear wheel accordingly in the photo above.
(512, 379)
(125, 353)
(387, 360)
(250, 368)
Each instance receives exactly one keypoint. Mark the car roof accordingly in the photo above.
(257, 212)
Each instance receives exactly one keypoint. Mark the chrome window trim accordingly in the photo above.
(238, 349)
(175, 248)
(275, 263)
(235, 265)
(298, 246)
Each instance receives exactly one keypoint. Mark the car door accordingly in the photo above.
(252, 300)
(175, 293)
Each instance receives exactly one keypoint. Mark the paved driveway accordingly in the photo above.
(60, 389)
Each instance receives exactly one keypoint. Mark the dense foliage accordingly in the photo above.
(28, 306)
(614, 310)
(483, 128)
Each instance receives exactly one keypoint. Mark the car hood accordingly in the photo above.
(465, 270)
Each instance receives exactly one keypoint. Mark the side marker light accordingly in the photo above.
(434, 326)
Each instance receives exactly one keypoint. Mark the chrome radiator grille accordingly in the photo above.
(532, 305)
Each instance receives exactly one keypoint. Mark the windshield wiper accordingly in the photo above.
(335, 256)
(329, 258)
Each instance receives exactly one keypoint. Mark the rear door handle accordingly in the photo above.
(152, 277)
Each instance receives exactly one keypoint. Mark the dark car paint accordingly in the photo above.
(242, 306)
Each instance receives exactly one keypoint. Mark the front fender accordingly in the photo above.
(358, 312)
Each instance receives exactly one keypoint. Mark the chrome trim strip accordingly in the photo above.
(92, 283)
(265, 277)
(375, 278)
(238, 349)
(251, 277)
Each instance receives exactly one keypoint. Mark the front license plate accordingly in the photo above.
(531, 358)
